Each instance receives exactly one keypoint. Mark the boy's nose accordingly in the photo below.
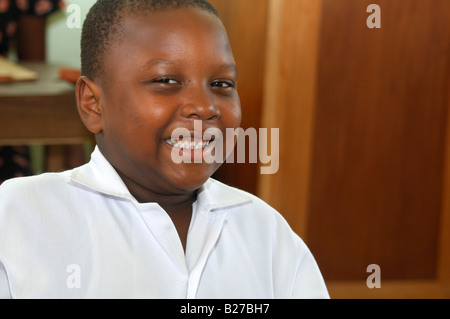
(200, 105)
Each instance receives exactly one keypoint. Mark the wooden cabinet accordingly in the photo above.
(364, 172)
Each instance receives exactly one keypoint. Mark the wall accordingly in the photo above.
(63, 43)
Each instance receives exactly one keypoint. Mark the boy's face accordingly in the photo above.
(167, 70)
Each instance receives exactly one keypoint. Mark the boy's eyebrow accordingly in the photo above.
(154, 62)
(157, 61)
(231, 66)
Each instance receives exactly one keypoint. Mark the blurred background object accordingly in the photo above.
(70, 75)
(35, 111)
(22, 26)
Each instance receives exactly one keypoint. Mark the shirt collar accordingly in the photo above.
(100, 175)
(219, 196)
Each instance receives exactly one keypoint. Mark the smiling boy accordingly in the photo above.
(134, 223)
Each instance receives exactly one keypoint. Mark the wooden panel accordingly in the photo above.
(46, 119)
(246, 23)
(389, 290)
(380, 130)
(444, 243)
(289, 103)
(41, 111)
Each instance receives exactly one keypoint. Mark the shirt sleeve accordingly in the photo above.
(5, 292)
(309, 283)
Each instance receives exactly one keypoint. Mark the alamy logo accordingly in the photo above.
(207, 146)
(374, 280)
(73, 20)
(73, 280)
(374, 20)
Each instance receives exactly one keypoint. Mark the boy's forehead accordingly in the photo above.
(173, 27)
(186, 16)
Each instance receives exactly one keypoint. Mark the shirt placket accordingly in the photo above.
(202, 239)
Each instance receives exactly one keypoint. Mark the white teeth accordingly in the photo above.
(188, 145)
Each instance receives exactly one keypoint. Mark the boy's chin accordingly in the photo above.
(191, 178)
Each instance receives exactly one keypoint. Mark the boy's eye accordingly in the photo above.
(223, 84)
(165, 81)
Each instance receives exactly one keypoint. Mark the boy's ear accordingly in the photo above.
(88, 96)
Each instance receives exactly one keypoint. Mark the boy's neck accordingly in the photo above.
(178, 207)
(171, 201)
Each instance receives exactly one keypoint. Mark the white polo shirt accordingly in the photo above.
(81, 234)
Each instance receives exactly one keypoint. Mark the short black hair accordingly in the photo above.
(104, 20)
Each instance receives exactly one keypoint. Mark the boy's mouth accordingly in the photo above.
(189, 145)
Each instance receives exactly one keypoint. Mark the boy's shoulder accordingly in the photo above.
(32, 198)
(35, 180)
(26, 189)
